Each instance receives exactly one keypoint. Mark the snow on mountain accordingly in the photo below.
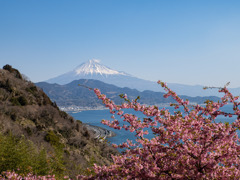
(93, 69)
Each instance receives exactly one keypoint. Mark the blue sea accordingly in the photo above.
(94, 117)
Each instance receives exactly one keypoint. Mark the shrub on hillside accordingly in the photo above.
(12, 70)
(22, 100)
(25, 158)
(22, 156)
(19, 101)
(53, 139)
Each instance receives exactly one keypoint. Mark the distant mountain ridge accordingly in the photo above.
(73, 95)
(93, 69)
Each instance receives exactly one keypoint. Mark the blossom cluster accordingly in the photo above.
(187, 145)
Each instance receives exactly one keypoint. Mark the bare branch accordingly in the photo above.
(85, 87)
(212, 87)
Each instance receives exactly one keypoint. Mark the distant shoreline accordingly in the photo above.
(76, 109)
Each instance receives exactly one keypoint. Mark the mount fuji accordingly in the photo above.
(93, 69)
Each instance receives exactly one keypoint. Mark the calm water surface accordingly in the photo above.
(94, 117)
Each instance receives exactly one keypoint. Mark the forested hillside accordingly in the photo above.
(52, 139)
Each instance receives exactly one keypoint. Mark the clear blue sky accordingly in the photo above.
(180, 41)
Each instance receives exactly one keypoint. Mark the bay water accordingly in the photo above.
(94, 117)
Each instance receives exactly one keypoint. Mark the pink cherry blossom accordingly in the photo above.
(189, 145)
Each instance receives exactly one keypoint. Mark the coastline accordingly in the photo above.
(76, 109)
(99, 132)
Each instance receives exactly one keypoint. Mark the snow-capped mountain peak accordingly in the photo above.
(93, 66)
(93, 69)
